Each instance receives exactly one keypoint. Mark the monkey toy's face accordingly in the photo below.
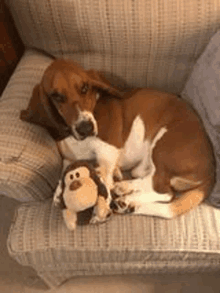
(82, 196)
(80, 190)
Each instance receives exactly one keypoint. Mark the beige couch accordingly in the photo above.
(136, 43)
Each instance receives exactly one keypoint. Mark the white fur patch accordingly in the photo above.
(84, 116)
(180, 183)
(139, 193)
(89, 149)
(157, 137)
(143, 198)
(137, 150)
(132, 151)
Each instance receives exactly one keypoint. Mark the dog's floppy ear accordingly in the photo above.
(98, 80)
(43, 112)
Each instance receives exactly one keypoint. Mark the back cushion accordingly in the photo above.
(136, 43)
(202, 90)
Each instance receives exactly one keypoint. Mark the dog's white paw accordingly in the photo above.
(125, 187)
(136, 201)
(139, 189)
(123, 207)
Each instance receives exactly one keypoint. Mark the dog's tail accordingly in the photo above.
(186, 202)
(190, 198)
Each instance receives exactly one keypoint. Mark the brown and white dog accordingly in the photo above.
(154, 134)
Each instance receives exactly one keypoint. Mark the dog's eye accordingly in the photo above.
(58, 97)
(84, 89)
(97, 95)
(71, 176)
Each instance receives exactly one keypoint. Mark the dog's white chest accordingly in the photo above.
(87, 149)
(135, 146)
(137, 151)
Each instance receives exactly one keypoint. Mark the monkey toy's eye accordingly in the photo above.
(77, 175)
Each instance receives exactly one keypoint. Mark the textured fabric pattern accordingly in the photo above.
(136, 43)
(202, 90)
(135, 244)
(30, 164)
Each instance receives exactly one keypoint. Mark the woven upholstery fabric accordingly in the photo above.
(125, 244)
(137, 43)
(30, 163)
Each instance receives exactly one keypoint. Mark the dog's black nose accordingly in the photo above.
(85, 128)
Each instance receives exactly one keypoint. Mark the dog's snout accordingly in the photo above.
(85, 128)
(75, 185)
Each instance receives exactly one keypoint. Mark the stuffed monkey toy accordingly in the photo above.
(83, 195)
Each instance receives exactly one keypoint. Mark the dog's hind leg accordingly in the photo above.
(141, 203)
(137, 196)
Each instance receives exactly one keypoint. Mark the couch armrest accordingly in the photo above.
(30, 163)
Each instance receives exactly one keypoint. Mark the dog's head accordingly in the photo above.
(65, 99)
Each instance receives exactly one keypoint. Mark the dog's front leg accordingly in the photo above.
(106, 172)
(107, 157)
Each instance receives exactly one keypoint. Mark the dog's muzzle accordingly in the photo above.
(85, 129)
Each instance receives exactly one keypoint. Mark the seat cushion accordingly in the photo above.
(30, 163)
(125, 244)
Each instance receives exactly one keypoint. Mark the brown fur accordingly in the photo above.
(185, 150)
(54, 99)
